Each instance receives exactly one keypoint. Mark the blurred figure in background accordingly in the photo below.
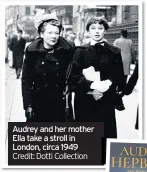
(30, 40)
(10, 36)
(127, 52)
(6, 48)
(86, 38)
(71, 38)
(17, 46)
(63, 33)
(77, 40)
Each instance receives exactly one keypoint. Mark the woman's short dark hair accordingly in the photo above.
(53, 22)
(98, 20)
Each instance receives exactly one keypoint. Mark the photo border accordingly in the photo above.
(2, 71)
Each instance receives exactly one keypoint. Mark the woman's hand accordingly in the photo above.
(101, 86)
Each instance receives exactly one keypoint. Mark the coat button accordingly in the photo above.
(42, 63)
(57, 63)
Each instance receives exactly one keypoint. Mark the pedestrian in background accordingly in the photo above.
(127, 52)
(77, 40)
(86, 38)
(44, 72)
(96, 72)
(6, 48)
(71, 38)
(30, 40)
(17, 46)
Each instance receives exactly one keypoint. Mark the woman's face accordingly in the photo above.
(96, 32)
(50, 35)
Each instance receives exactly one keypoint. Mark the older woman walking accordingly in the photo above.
(44, 72)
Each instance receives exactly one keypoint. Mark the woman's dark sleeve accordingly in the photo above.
(77, 81)
(27, 80)
(11, 44)
(118, 78)
(132, 81)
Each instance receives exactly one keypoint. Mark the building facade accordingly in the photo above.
(11, 15)
(21, 17)
(64, 14)
(126, 18)
(76, 17)
(119, 17)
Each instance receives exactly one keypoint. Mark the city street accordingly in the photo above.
(14, 108)
(79, 25)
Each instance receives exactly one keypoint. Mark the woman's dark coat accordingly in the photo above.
(106, 59)
(43, 80)
(17, 47)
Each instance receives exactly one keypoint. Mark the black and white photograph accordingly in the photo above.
(74, 63)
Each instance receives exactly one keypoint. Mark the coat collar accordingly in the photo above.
(37, 45)
(90, 45)
(94, 42)
(91, 51)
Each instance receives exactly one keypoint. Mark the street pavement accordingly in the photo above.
(14, 108)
